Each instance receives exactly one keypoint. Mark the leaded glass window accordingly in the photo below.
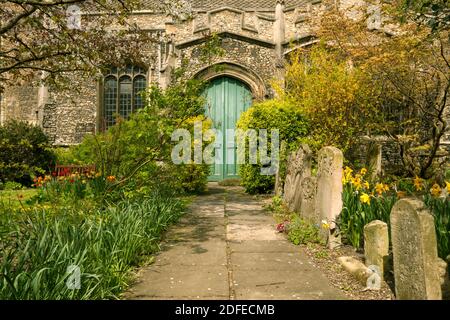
(122, 94)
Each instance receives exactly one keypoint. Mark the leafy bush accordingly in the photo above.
(272, 114)
(298, 230)
(11, 185)
(138, 151)
(24, 152)
(303, 232)
(339, 102)
(192, 178)
(38, 247)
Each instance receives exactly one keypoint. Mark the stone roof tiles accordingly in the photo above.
(245, 5)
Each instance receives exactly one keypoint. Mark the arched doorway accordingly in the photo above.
(227, 98)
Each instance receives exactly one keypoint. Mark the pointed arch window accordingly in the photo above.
(122, 93)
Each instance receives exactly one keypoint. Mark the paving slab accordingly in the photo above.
(305, 283)
(265, 261)
(207, 253)
(188, 281)
(243, 231)
(262, 246)
(227, 247)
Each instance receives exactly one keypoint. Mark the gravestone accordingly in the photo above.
(415, 252)
(376, 245)
(329, 190)
(279, 181)
(308, 199)
(374, 160)
(299, 167)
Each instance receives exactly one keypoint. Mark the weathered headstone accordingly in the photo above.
(299, 167)
(308, 199)
(279, 178)
(329, 190)
(374, 159)
(376, 245)
(415, 252)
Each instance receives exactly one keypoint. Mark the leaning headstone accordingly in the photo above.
(329, 190)
(299, 167)
(415, 252)
(376, 245)
(308, 199)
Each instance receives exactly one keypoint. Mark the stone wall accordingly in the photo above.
(20, 103)
(70, 115)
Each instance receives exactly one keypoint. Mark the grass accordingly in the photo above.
(16, 198)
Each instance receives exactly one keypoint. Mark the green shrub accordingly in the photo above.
(303, 232)
(192, 178)
(137, 151)
(11, 185)
(272, 114)
(24, 152)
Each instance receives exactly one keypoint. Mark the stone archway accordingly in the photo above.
(239, 72)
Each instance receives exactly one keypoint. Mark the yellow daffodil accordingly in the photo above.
(366, 185)
(325, 225)
(348, 170)
(386, 188)
(363, 171)
(356, 182)
(418, 183)
(347, 176)
(379, 188)
(436, 190)
(447, 184)
(365, 198)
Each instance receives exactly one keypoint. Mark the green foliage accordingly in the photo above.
(24, 152)
(39, 246)
(211, 48)
(253, 181)
(440, 208)
(435, 13)
(138, 151)
(70, 190)
(299, 230)
(11, 185)
(192, 178)
(364, 203)
(269, 115)
(356, 214)
(338, 100)
(302, 232)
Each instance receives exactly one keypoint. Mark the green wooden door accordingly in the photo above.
(227, 99)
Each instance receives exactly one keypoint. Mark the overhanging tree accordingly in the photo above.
(37, 35)
(412, 67)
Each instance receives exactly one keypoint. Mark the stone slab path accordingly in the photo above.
(227, 247)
